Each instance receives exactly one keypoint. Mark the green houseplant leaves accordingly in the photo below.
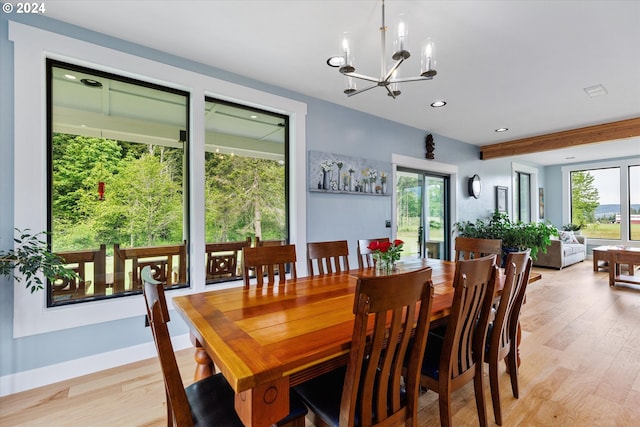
(514, 235)
(29, 257)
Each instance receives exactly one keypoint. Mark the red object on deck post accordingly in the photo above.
(100, 190)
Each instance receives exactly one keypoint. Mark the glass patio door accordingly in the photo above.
(422, 212)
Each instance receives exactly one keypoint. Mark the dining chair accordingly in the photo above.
(208, 402)
(329, 257)
(454, 353)
(470, 247)
(370, 390)
(269, 261)
(222, 260)
(503, 330)
(271, 242)
(365, 258)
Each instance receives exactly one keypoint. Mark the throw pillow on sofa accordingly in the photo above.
(568, 237)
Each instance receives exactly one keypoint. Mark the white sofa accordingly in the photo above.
(560, 254)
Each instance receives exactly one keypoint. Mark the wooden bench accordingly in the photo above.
(159, 258)
(79, 261)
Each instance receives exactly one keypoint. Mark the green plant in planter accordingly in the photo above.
(30, 256)
(515, 236)
(572, 227)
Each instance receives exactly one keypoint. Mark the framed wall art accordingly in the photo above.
(501, 198)
(335, 173)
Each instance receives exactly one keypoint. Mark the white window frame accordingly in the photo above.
(31, 47)
(623, 166)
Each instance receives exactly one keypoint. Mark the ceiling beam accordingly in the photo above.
(565, 139)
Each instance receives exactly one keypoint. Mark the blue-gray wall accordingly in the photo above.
(330, 128)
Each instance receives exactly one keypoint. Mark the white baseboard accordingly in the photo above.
(27, 380)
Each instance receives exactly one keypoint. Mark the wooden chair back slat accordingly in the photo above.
(470, 248)
(269, 261)
(365, 259)
(271, 242)
(328, 257)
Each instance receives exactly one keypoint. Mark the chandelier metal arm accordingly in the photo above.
(361, 90)
(390, 92)
(362, 77)
(410, 79)
(393, 69)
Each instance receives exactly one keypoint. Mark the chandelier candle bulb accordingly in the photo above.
(401, 42)
(428, 58)
(351, 85)
(347, 66)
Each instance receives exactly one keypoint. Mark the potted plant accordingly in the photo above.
(31, 256)
(572, 227)
(515, 236)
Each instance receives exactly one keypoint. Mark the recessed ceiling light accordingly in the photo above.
(70, 76)
(597, 90)
(253, 116)
(438, 104)
(335, 61)
(91, 83)
(501, 129)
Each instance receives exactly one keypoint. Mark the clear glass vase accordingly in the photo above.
(384, 265)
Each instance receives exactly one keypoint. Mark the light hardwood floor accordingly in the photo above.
(580, 367)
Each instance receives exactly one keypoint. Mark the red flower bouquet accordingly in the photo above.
(386, 253)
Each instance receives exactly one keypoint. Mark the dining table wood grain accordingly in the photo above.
(266, 340)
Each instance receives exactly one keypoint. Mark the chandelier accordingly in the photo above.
(387, 78)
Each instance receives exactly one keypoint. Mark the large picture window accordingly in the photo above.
(595, 202)
(117, 182)
(605, 201)
(246, 192)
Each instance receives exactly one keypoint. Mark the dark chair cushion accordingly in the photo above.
(431, 361)
(323, 395)
(212, 403)
(488, 340)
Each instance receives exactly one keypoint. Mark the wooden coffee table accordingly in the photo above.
(629, 256)
(600, 254)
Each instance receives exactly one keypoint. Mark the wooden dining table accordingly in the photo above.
(266, 340)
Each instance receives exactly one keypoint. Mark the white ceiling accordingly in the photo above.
(516, 64)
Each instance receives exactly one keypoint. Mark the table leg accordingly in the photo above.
(264, 405)
(204, 365)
